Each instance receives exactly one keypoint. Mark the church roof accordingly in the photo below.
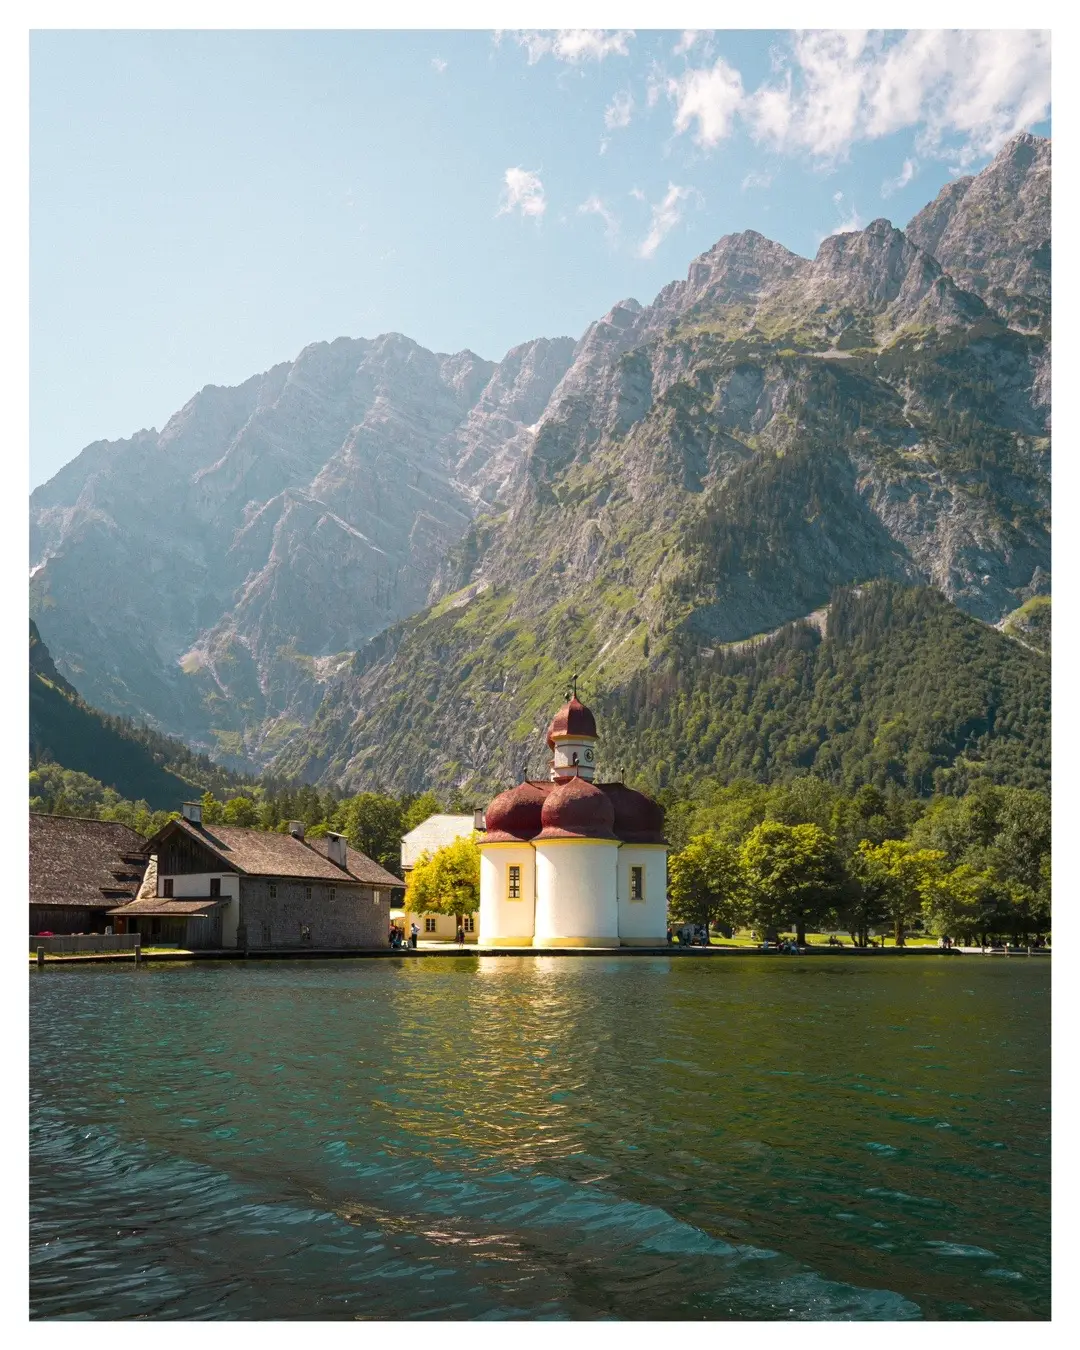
(577, 810)
(572, 719)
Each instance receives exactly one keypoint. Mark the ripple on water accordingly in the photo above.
(520, 1139)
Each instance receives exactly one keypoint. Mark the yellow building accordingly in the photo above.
(429, 836)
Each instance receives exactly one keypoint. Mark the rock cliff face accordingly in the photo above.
(991, 233)
(701, 469)
(205, 576)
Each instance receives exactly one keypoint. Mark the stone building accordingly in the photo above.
(220, 886)
(79, 871)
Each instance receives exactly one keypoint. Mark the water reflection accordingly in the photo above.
(588, 1137)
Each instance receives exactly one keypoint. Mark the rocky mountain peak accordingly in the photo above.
(991, 232)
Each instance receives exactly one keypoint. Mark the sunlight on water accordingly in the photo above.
(550, 1137)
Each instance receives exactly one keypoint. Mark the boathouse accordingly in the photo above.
(222, 886)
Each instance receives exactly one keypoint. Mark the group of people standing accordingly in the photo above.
(398, 938)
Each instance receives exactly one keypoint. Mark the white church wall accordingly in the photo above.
(576, 893)
(643, 922)
(505, 921)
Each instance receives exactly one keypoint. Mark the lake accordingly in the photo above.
(554, 1137)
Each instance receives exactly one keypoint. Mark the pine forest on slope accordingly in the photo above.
(341, 555)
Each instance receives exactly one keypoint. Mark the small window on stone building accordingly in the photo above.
(307, 892)
(166, 888)
(215, 885)
(333, 892)
(513, 882)
(273, 891)
(637, 883)
(470, 924)
(429, 924)
(376, 896)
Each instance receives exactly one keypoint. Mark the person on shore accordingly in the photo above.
(460, 935)
(414, 934)
(669, 935)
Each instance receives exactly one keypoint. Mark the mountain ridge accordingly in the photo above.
(718, 461)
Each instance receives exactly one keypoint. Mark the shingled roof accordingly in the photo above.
(260, 853)
(361, 866)
(152, 906)
(76, 862)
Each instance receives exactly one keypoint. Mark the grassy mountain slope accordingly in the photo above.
(137, 763)
(903, 688)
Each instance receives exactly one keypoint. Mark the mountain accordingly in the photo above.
(140, 766)
(991, 233)
(206, 577)
(379, 564)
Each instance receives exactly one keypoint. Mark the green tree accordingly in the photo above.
(905, 875)
(415, 810)
(794, 876)
(240, 811)
(446, 881)
(372, 822)
(212, 809)
(706, 883)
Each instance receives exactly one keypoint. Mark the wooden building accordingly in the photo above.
(80, 870)
(220, 886)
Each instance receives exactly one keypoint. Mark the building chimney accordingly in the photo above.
(296, 829)
(478, 822)
(335, 850)
(192, 811)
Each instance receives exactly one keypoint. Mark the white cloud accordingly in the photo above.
(666, 215)
(618, 112)
(522, 191)
(438, 64)
(574, 44)
(711, 97)
(852, 221)
(902, 179)
(595, 207)
(756, 179)
(689, 37)
(637, 193)
(835, 88)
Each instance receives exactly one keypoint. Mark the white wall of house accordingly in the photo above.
(506, 922)
(643, 922)
(576, 893)
(431, 834)
(445, 925)
(197, 885)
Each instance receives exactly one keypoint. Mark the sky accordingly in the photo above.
(203, 205)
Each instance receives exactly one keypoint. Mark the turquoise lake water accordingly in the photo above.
(557, 1137)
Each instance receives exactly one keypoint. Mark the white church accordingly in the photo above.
(570, 862)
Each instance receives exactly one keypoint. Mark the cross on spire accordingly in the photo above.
(572, 691)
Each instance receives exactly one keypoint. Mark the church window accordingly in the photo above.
(637, 883)
(273, 891)
(307, 892)
(513, 882)
(332, 895)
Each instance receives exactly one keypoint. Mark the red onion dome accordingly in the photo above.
(638, 819)
(572, 719)
(514, 815)
(577, 810)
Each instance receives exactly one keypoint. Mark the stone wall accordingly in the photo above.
(351, 919)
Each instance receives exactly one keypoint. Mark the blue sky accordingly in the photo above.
(205, 204)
